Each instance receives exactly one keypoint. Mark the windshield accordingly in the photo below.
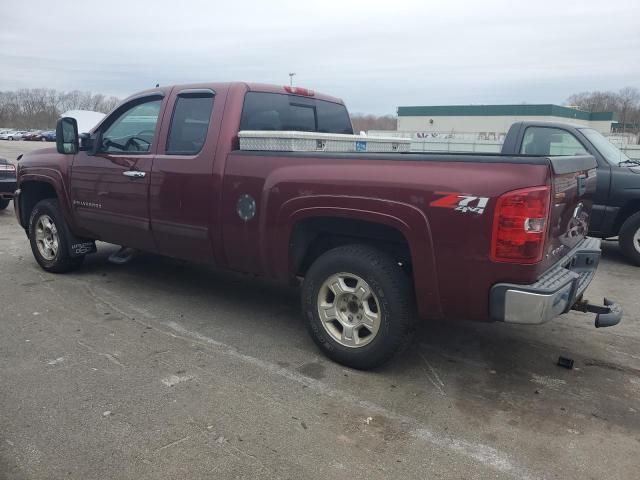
(608, 150)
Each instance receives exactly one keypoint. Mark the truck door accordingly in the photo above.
(110, 189)
(183, 187)
(600, 211)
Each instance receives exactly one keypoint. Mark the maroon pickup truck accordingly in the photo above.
(376, 239)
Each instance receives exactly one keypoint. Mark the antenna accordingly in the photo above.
(291, 75)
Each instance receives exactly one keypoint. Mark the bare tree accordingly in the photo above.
(41, 107)
(625, 102)
(595, 101)
(362, 122)
(629, 99)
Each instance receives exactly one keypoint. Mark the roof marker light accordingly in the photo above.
(299, 91)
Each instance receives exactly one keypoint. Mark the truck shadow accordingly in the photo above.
(484, 370)
(194, 285)
(511, 372)
(611, 251)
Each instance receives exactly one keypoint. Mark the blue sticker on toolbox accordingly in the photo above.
(361, 146)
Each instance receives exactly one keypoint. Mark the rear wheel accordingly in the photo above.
(49, 238)
(4, 203)
(358, 305)
(629, 238)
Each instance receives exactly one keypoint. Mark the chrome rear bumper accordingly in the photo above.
(554, 293)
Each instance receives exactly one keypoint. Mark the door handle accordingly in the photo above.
(134, 173)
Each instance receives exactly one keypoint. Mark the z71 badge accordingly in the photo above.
(461, 202)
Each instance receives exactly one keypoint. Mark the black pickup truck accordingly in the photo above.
(616, 205)
(7, 182)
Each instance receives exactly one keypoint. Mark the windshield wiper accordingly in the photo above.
(629, 161)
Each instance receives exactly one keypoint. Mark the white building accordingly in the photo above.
(493, 121)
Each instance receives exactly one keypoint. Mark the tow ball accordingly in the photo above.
(607, 315)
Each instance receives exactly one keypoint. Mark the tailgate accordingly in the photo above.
(573, 187)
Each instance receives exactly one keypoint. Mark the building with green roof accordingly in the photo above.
(494, 120)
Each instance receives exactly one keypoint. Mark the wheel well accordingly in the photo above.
(625, 212)
(315, 236)
(30, 194)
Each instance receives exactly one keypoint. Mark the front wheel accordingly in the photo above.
(49, 238)
(629, 238)
(358, 305)
(4, 203)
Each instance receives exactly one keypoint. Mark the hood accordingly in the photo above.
(43, 157)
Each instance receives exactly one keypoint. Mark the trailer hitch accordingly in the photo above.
(607, 315)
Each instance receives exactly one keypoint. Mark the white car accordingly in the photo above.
(11, 135)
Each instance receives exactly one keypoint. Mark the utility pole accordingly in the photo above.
(291, 75)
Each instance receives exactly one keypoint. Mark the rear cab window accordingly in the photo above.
(276, 111)
(190, 122)
(551, 141)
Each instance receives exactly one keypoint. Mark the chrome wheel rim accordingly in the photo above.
(636, 240)
(47, 239)
(349, 310)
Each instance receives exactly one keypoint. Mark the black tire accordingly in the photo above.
(62, 261)
(4, 203)
(629, 247)
(391, 286)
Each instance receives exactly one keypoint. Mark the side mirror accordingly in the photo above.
(67, 136)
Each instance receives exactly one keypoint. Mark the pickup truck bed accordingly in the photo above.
(373, 237)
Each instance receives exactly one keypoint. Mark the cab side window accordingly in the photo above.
(550, 141)
(189, 123)
(133, 131)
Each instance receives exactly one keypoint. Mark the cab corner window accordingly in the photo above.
(550, 141)
(133, 131)
(189, 124)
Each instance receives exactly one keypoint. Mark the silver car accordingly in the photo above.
(11, 134)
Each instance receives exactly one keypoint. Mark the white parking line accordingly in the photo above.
(481, 453)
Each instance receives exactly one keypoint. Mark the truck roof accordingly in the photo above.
(539, 123)
(253, 87)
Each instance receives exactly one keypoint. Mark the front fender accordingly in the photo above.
(54, 178)
(408, 219)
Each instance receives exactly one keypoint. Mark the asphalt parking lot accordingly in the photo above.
(163, 369)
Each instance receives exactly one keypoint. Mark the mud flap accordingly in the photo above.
(79, 247)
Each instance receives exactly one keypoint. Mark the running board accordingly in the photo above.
(122, 256)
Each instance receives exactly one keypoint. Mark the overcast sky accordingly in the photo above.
(375, 55)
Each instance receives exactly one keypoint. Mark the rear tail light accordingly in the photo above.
(299, 91)
(7, 167)
(520, 225)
